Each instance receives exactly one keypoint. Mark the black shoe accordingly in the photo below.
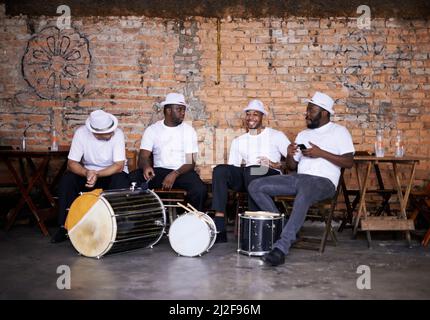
(274, 258)
(221, 237)
(60, 235)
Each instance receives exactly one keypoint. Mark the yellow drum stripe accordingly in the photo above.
(81, 206)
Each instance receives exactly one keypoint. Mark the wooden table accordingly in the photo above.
(363, 221)
(36, 176)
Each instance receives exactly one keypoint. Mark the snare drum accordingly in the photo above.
(258, 231)
(191, 234)
(99, 222)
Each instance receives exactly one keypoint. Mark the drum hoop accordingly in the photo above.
(114, 225)
(212, 233)
(261, 217)
(164, 217)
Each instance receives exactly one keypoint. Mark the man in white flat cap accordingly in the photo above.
(96, 160)
(168, 152)
(253, 155)
(318, 154)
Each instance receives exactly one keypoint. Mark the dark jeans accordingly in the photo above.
(307, 189)
(71, 184)
(190, 182)
(225, 177)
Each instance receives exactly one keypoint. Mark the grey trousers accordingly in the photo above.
(307, 189)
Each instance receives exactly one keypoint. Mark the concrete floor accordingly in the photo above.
(28, 270)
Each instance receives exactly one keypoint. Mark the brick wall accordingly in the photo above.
(125, 65)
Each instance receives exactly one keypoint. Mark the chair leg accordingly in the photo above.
(328, 229)
(426, 238)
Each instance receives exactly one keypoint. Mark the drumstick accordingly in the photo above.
(192, 207)
(184, 207)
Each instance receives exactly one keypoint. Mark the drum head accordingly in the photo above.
(91, 225)
(189, 235)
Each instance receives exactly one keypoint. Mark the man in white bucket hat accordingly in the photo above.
(318, 154)
(168, 152)
(96, 160)
(253, 155)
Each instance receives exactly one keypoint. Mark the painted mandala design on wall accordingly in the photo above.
(56, 63)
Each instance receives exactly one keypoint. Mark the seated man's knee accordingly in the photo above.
(69, 178)
(254, 186)
(200, 190)
(220, 171)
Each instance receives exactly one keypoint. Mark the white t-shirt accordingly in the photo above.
(97, 154)
(269, 143)
(169, 145)
(331, 137)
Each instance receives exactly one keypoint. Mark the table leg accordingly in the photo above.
(362, 210)
(25, 197)
(42, 179)
(403, 199)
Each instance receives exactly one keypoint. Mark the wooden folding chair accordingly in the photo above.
(420, 201)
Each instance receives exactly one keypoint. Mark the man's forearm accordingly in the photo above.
(76, 168)
(185, 168)
(291, 163)
(117, 167)
(343, 161)
(145, 162)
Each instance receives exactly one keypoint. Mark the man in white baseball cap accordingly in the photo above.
(253, 155)
(318, 154)
(168, 152)
(96, 160)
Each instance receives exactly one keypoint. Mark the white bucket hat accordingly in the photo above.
(256, 105)
(174, 98)
(322, 100)
(101, 122)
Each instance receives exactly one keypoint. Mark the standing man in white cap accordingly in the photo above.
(96, 160)
(253, 155)
(317, 154)
(168, 152)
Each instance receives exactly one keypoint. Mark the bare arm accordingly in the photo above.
(116, 167)
(344, 161)
(76, 168)
(92, 175)
(189, 165)
(145, 163)
(291, 151)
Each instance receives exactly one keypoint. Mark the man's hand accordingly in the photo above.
(264, 161)
(313, 152)
(91, 178)
(148, 173)
(292, 149)
(169, 180)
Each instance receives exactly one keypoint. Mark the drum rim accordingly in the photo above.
(164, 217)
(208, 229)
(261, 217)
(114, 226)
(113, 233)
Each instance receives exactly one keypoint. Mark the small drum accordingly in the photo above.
(99, 222)
(192, 233)
(258, 231)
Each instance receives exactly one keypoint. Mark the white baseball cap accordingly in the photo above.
(322, 100)
(256, 105)
(101, 122)
(174, 98)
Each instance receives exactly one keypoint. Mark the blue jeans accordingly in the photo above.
(307, 189)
